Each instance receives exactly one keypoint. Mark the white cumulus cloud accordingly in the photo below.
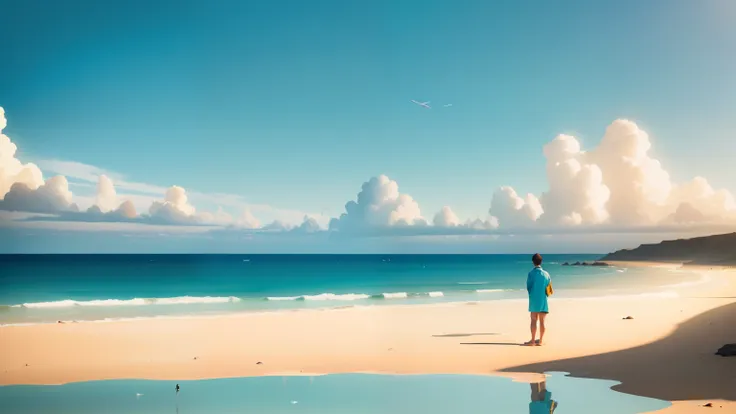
(379, 204)
(13, 171)
(51, 197)
(174, 208)
(576, 193)
(107, 198)
(125, 212)
(617, 183)
(446, 218)
(446, 222)
(512, 210)
(309, 225)
(479, 224)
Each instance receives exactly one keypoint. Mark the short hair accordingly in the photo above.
(537, 259)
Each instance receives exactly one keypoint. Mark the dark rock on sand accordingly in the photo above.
(727, 350)
(604, 264)
(259, 363)
(708, 405)
(629, 317)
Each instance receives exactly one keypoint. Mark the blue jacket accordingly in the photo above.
(536, 285)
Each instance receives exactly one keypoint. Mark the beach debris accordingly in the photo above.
(708, 405)
(727, 350)
(59, 321)
(629, 317)
(195, 358)
(259, 363)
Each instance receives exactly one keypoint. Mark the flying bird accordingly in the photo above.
(424, 104)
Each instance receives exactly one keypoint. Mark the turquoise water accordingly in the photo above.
(343, 393)
(47, 288)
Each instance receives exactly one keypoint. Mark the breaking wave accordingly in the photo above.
(182, 300)
(195, 300)
(359, 296)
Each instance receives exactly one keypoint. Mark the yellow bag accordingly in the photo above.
(549, 289)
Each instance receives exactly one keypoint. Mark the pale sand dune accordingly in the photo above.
(666, 351)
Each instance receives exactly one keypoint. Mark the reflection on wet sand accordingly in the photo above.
(542, 402)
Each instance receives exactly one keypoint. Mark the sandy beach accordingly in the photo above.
(666, 351)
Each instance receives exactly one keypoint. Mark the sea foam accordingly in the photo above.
(356, 296)
(334, 296)
(181, 300)
(396, 295)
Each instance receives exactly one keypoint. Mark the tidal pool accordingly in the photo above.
(339, 393)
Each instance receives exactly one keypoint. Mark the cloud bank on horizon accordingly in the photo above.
(613, 187)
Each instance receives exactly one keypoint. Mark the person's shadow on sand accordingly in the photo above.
(660, 369)
(542, 402)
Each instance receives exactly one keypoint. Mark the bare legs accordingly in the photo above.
(536, 317)
(538, 390)
(542, 317)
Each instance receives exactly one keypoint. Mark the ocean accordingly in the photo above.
(69, 288)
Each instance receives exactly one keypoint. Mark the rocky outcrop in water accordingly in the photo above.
(586, 264)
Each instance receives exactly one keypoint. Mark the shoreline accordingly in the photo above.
(325, 301)
(609, 295)
(446, 337)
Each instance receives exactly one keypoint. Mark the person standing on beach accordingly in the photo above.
(539, 287)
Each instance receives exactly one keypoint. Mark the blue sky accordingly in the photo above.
(294, 105)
